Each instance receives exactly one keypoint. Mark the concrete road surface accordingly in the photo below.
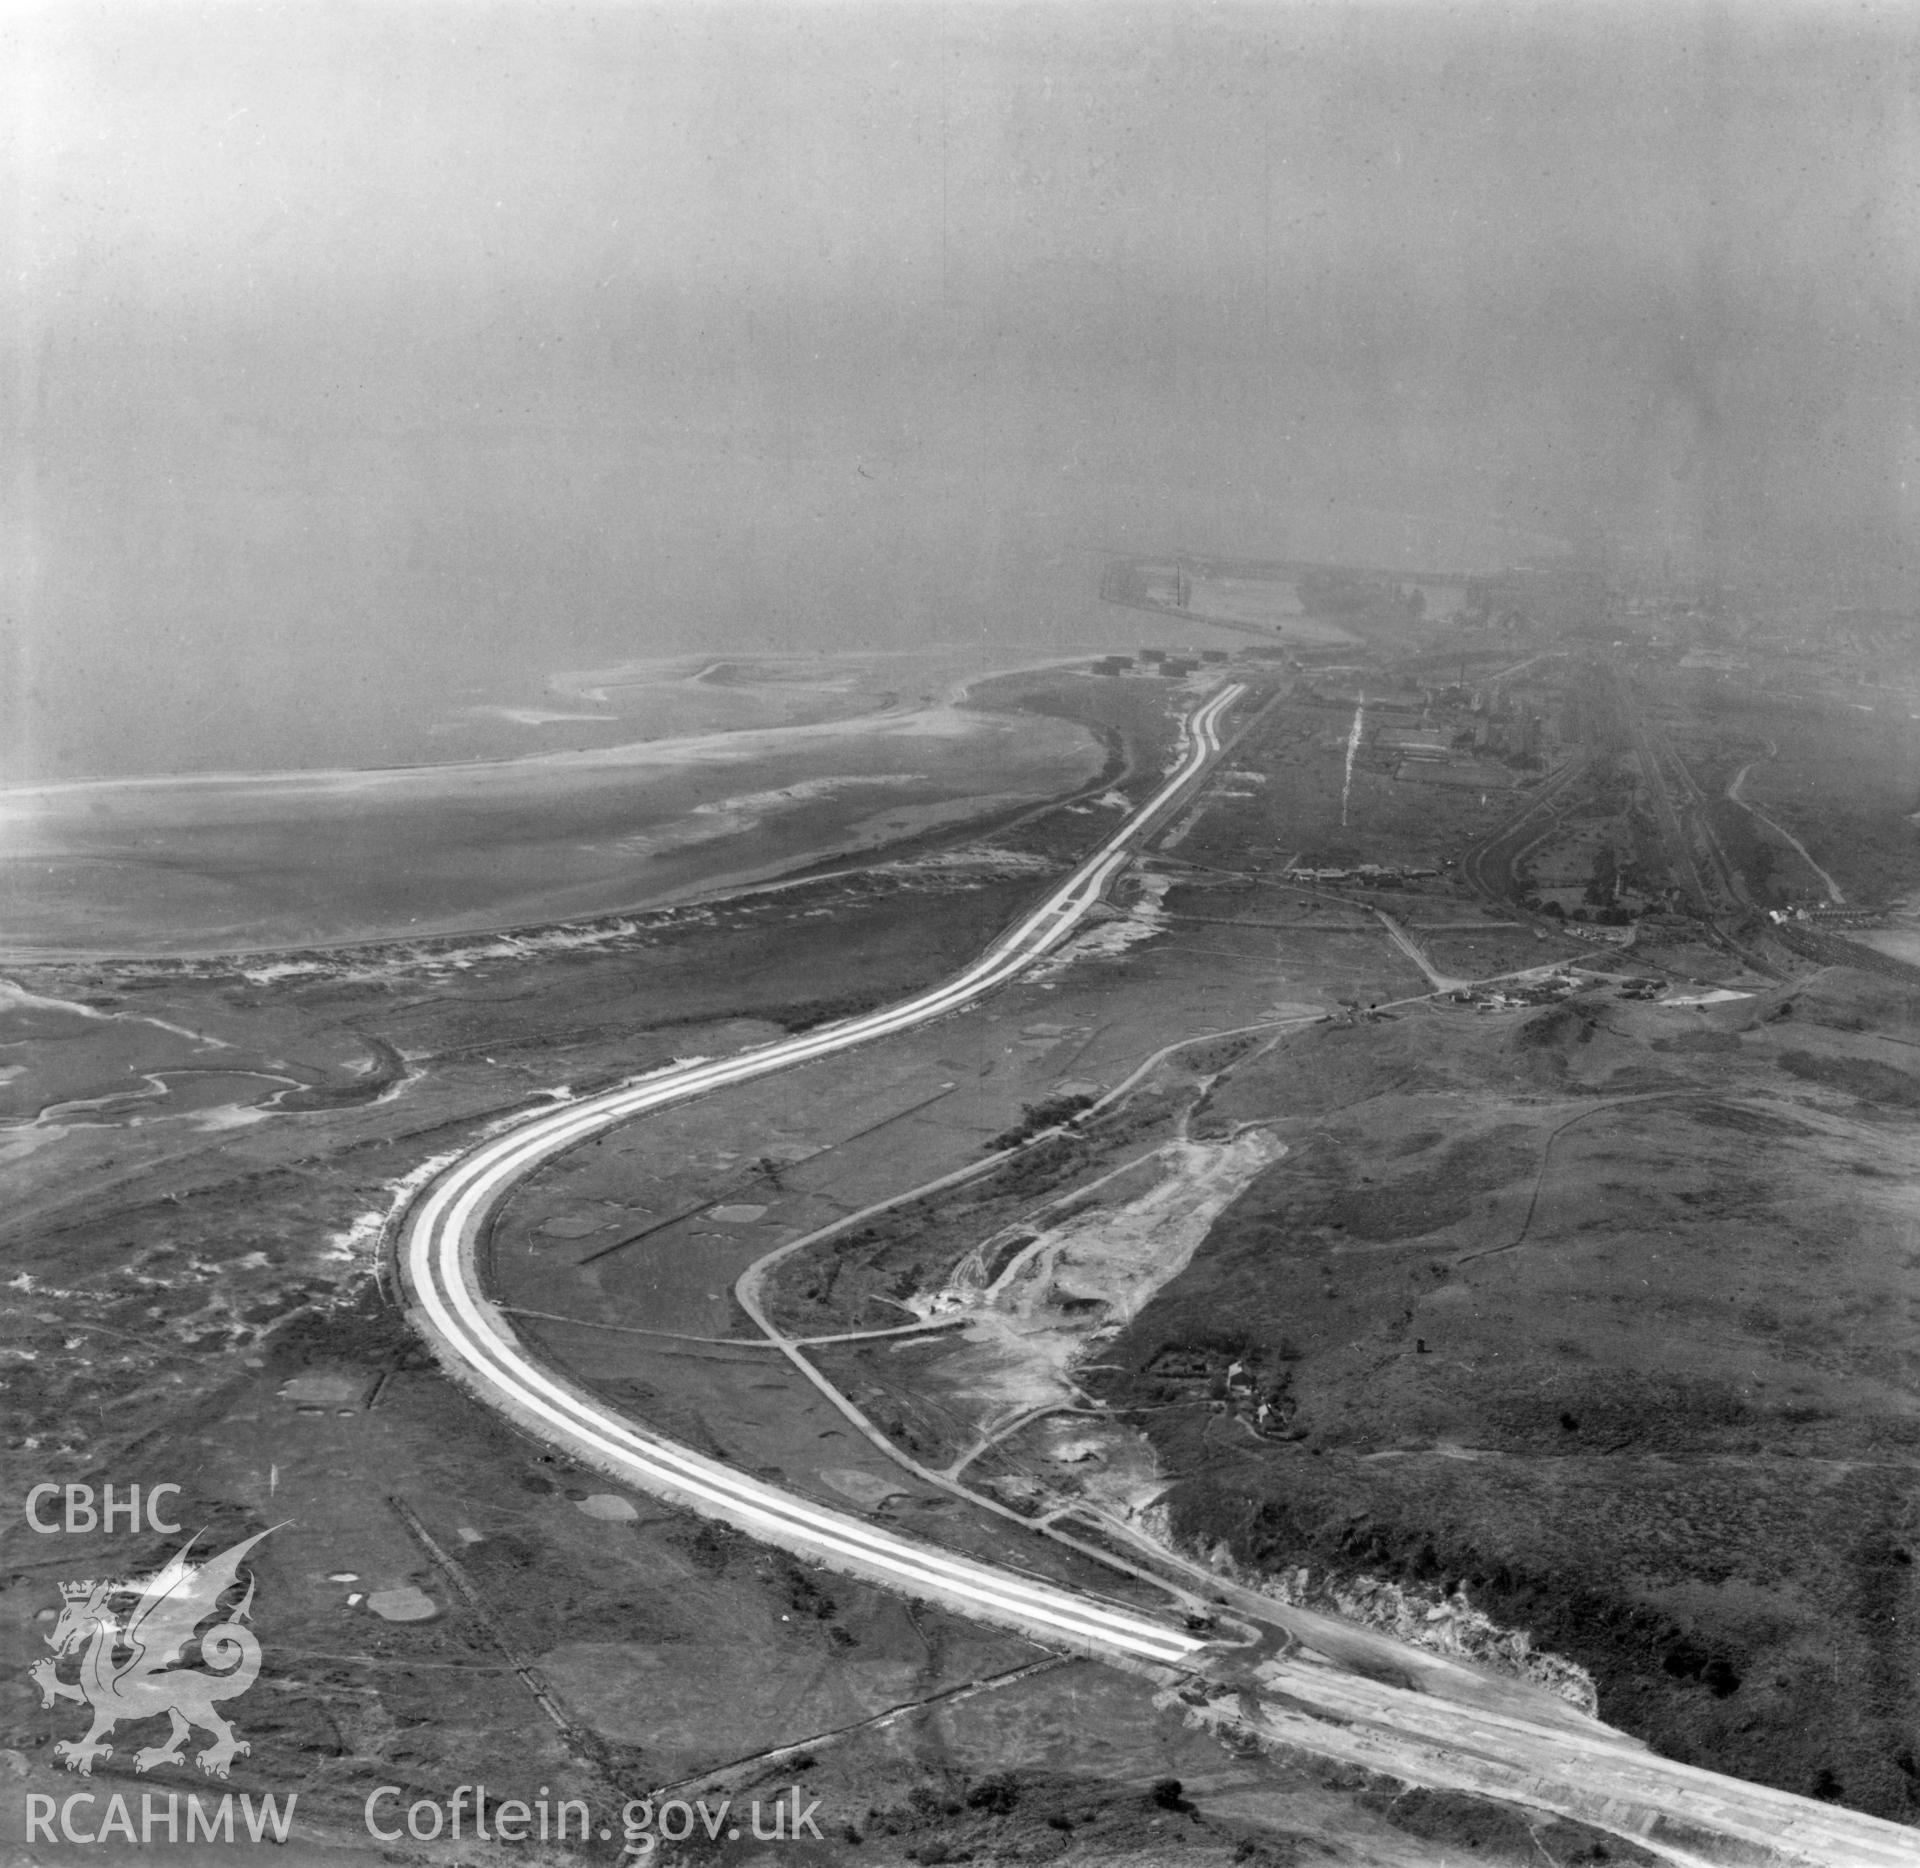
(1688, 1815)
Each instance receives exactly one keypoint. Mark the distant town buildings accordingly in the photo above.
(1365, 875)
(1162, 662)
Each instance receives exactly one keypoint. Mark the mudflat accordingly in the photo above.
(248, 861)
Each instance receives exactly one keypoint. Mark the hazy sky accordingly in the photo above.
(357, 349)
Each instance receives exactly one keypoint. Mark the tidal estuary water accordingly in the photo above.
(616, 788)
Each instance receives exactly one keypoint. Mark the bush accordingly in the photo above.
(995, 1795)
(1034, 1117)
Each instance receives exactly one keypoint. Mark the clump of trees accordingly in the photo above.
(1049, 1113)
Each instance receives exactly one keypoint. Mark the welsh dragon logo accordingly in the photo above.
(131, 1638)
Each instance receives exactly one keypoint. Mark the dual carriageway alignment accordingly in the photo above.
(439, 1249)
(1597, 1776)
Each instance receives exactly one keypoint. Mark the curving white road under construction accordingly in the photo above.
(1439, 1742)
(438, 1257)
